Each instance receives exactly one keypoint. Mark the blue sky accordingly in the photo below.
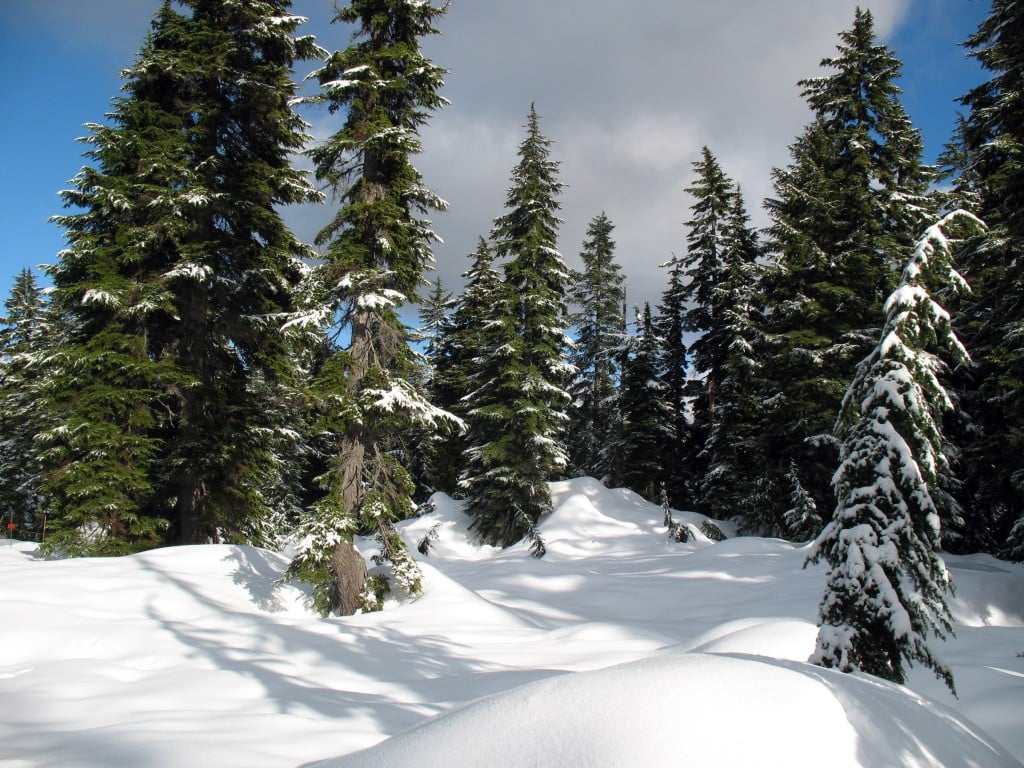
(628, 92)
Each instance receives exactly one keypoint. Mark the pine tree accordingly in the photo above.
(886, 581)
(802, 520)
(850, 201)
(433, 316)
(521, 371)
(426, 446)
(459, 345)
(102, 384)
(232, 278)
(730, 485)
(24, 335)
(713, 194)
(646, 415)
(598, 292)
(376, 250)
(681, 467)
(174, 286)
(988, 158)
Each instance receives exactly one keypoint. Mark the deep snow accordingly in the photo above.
(684, 654)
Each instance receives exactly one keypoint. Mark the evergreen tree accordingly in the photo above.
(521, 372)
(714, 195)
(850, 201)
(376, 250)
(427, 445)
(681, 475)
(23, 337)
(988, 159)
(887, 582)
(802, 519)
(460, 344)
(729, 486)
(433, 316)
(646, 415)
(178, 273)
(598, 292)
(232, 279)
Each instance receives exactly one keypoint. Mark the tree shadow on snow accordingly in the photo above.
(339, 668)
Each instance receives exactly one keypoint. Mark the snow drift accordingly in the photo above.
(620, 647)
(695, 710)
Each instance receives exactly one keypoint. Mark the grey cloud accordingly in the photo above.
(628, 92)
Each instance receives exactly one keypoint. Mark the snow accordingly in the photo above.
(98, 296)
(620, 647)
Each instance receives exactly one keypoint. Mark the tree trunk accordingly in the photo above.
(349, 577)
(349, 566)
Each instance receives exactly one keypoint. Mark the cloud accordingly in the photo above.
(628, 92)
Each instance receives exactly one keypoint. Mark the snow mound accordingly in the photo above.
(683, 710)
(587, 519)
(791, 639)
(988, 591)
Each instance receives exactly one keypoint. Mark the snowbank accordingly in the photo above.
(620, 647)
(695, 710)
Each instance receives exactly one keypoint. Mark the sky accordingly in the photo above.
(628, 92)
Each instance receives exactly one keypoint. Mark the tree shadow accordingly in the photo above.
(351, 669)
(896, 726)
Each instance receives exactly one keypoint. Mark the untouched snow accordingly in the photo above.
(618, 648)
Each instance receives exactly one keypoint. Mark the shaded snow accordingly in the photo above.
(620, 647)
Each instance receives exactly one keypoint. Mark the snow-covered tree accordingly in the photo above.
(681, 475)
(173, 288)
(646, 416)
(802, 520)
(517, 410)
(231, 281)
(433, 316)
(988, 160)
(24, 334)
(598, 293)
(850, 203)
(175, 255)
(376, 249)
(887, 583)
(729, 404)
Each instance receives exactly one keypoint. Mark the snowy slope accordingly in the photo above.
(692, 653)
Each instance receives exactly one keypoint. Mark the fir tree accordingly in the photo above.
(646, 415)
(174, 286)
(433, 316)
(376, 250)
(730, 485)
(102, 384)
(521, 372)
(681, 475)
(24, 334)
(713, 194)
(886, 581)
(988, 159)
(598, 292)
(232, 277)
(851, 200)
(459, 345)
(802, 520)
(428, 445)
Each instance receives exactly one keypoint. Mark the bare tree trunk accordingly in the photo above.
(349, 577)
(349, 566)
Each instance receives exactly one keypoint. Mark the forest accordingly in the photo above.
(193, 373)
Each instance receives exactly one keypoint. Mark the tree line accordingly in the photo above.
(197, 374)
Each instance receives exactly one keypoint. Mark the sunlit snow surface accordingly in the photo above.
(619, 648)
